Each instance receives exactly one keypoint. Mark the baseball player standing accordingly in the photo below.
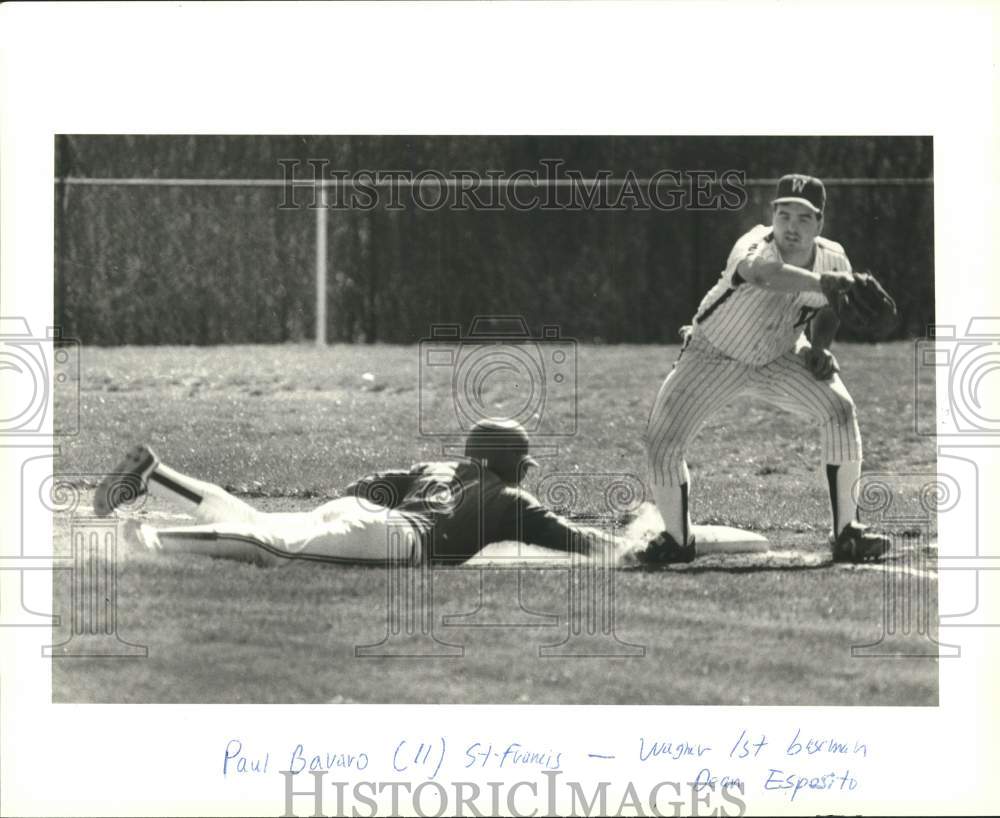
(747, 340)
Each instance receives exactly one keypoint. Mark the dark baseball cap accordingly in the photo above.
(506, 439)
(797, 187)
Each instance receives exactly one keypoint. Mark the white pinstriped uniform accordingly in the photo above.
(743, 344)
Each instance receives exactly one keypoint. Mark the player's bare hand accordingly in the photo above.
(835, 285)
(821, 362)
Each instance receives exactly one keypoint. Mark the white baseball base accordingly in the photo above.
(709, 539)
(724, 539)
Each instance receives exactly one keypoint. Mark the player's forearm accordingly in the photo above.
(553, 531)
(780, 277)
(584, 540)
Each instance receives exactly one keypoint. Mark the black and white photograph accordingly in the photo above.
(497, 408)
(451, 407)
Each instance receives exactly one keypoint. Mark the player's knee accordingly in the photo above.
(648, 439)
(662, 452)
(661, 433)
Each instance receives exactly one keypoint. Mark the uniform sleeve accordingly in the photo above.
(385, 488)
(540, 526)
(752, 245)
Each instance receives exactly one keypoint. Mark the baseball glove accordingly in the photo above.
(865, 307)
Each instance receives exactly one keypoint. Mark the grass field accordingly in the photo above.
(284, 427)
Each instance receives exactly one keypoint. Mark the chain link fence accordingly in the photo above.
(225, 259)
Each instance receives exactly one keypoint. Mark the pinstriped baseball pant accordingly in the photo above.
(704, 380)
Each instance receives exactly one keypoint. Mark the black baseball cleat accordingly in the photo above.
(857, 543)
(664, 550)
(126, 482)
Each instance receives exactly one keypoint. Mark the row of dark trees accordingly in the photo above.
(206, 265)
